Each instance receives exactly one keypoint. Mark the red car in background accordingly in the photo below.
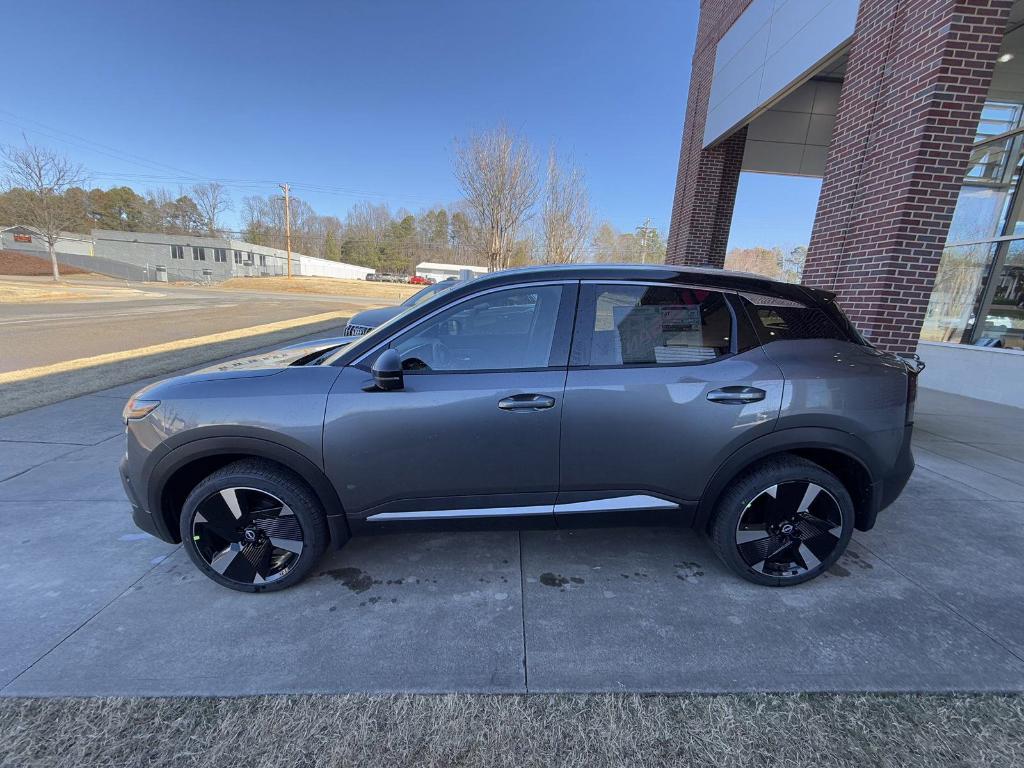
(417, 280)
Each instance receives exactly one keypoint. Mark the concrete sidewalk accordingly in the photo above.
(931, 600)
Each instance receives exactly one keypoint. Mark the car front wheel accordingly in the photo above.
(783, 522)
(254, 527)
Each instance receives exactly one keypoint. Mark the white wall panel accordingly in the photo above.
(767, 51)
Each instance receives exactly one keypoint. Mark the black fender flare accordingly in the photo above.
(165, 468)
(781, 441)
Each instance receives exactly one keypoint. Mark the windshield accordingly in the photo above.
(431, 290)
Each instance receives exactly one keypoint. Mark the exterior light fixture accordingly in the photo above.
(1005, 58)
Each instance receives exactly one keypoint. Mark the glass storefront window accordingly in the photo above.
(1004, 313)
(991, 178)
(953, 306)
(998, 117)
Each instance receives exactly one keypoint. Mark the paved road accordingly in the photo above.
(40, 334)
(932, 599)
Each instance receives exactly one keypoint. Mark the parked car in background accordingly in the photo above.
(746, 408)
(418, 280)
(365, 321)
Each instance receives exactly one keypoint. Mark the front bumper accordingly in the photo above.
(140, 515)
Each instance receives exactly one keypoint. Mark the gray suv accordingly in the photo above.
(749, 409)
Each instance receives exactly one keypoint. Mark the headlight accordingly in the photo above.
(138, 406)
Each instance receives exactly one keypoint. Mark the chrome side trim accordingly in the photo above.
(444, 514)
(613, 504)
(616, 504)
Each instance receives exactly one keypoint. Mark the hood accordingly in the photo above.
(371, 318)
(265, 363)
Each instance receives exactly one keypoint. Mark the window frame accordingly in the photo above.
(177, 252)
(561, 342)
(220, 255)
(583, 334)
(198, 252)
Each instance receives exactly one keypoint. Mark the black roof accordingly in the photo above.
(713, 278)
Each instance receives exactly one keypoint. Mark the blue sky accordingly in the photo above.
(362, 99)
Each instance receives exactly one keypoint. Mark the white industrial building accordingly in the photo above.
(161, 257)
(435, 271)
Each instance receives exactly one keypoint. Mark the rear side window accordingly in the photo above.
(786, 321)
(651, 325)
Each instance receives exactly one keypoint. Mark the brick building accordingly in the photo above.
(912, 114)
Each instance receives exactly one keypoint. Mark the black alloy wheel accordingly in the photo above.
(783, 522)
(248, 536)
(789, 529)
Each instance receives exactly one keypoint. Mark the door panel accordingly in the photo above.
(654, 430)
(645, 418)
(443, 442)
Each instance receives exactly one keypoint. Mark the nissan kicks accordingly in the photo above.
(749, 409)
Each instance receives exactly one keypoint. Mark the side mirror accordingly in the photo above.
(387, 371)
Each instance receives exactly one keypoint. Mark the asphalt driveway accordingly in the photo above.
(931, 600)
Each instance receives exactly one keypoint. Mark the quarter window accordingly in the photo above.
(499, 331)
(787, 323)
(651, 325)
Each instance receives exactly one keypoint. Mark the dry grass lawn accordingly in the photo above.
(388, 293)
(16, 291)
(498, 731)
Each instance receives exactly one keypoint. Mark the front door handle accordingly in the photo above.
(526, 403)
(736, 395)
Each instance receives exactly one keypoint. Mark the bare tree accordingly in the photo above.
(497, 173)
(212, 200)
(46, 176)
(565, 216)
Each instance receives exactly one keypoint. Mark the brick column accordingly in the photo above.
(707, 179)
(918, 74)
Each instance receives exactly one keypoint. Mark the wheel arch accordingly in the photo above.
(178, 472)
(841, 453)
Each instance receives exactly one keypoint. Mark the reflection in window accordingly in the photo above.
(992, 175)
(954, 299)
(1004, 317)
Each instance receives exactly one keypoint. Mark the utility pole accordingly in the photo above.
(287, 226)
(644, 231)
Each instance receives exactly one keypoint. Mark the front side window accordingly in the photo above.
(651, 325)
(198, 254)
(499, 331)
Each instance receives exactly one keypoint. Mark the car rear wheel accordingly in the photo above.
(783, 523)
(254, 527)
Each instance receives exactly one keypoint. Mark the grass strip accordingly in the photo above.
(308, 731)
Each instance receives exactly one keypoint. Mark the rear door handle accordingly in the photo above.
(736, 395)
(529, 402)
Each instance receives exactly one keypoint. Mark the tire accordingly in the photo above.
(254, 526)
(788, 537)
